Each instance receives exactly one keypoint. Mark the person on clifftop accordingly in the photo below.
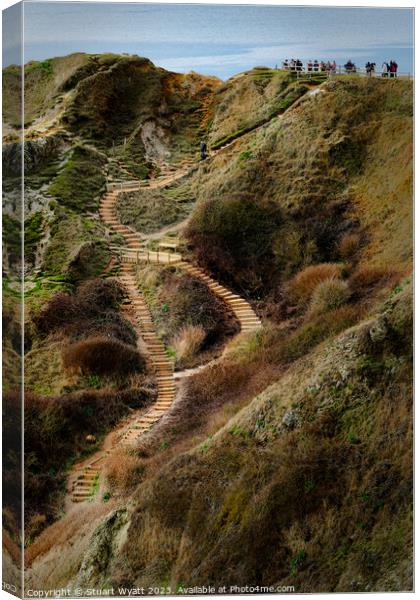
(203, 150)
(393, 68)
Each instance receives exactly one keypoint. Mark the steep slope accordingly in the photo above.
(249, 99)
(337, 168)
(309, 485)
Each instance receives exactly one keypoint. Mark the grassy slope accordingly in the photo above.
(43, 84)
(253, 97)
(309, 485)
(339, 163)
(268, 478)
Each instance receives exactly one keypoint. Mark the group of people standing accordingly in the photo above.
(389, 69)
(330, 67)
(312, 66)
(370, 68)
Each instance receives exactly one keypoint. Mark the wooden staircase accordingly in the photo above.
(242, 310)
(83, 485)
(240, 307)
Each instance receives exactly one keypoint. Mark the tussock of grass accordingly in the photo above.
(188, 342)
(349, 246)
(301, 287)
(328, 295)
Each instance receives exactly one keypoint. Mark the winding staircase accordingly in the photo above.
(83, 484)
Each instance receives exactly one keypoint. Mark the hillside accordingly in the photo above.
(222, 348)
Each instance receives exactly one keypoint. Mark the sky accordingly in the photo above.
(216, 40)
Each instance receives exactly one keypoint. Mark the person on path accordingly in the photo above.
(203, 150)
(385, 69)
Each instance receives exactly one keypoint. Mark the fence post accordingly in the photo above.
(137, 257)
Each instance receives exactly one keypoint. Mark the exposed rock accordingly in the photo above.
(153, 138)
(291, 419)
(378, 331)
(36, 152)
(103, 547)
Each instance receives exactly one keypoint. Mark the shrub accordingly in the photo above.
(104, 293)
(188, 341)
(233, 235)
(102, 356)
(328, 295)
(55, 435)
(91, 310)
(348, 246)
(184, 299)
(301, 287)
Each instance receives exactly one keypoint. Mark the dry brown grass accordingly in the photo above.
(301, 287)
(329, 295)
(349, 245)
(188, 342)
(11, 547)
(123, 471)
(64, 530)
(365, 278)
(329, 499)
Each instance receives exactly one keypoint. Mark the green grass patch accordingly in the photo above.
(34, 230)
(80, 181)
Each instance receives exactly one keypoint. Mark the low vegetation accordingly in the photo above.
(233, 235)
(302, 286)
(81, 180)
(328, 295)
(190, 319)
(149, 211)
(102, 356)
(55, 434)
(320, 425)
